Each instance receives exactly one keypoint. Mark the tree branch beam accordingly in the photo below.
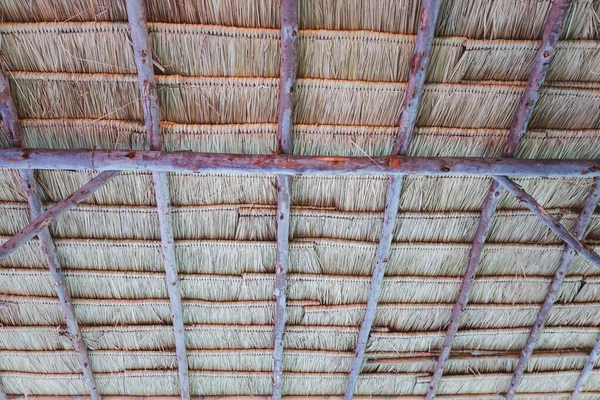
(518, 128)
(410, 109)
(136, 14)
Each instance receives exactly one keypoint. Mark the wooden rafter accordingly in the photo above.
(11, 123)
(518, 128)
(410, 109)
(567, 257)
(288, 67)
(586, 371)
(136, 14)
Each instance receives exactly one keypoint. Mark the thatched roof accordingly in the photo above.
(73, 76)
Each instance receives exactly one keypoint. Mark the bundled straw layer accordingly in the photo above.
(257, 223)
(312, 256)
(481, 19)
(254, 100)
(259, 383)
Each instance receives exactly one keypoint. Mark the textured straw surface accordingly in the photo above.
(73, 76)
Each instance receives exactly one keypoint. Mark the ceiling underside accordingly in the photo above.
(217, 66)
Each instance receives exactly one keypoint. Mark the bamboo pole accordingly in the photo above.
(586, 371)
(136, 14)
(410, 108)
(46, 218)
(288, 67)
(547, 219)
(286, 164)
(518, 128)
(11, 122)
(568, 254)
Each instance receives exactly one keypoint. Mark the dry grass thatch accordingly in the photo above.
(482, 19)
(254, 100)
(230, 383)
(325, 289)
(224, 51)
(257, 223)
(314, 256)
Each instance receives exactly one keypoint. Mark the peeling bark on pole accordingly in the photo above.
(136, 14)
(568, 254)
(548, 220)
(46, 218)
(410, 109)
(285, 164)
(287, 82)
(11, 122)
(587, 370)
(518, 128)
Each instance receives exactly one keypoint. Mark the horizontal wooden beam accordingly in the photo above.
(484, 396)
(283, 164)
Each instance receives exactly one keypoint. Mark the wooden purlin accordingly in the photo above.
(518, 128)
(136, 14)
(410, 109)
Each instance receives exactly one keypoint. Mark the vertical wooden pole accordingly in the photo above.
(136, 14)
(410, 109)
(568, 254)
(287, 82)
(518, 128)
(13, 129)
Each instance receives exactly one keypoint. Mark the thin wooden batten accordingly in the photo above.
(288, 67)
(11, 122)
(518, 128)
(410, 109)
(136, 14)
(568, 255)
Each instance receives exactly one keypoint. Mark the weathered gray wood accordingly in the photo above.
(136, 14)
(46, 218)
(548, 220)
(518, 128)
(410, 110)
(285, 164)
(586, 371)
(287, 83)
(568, 254)
(12, 127)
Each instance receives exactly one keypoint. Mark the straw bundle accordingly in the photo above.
(229, 360)
(419, 317)
(482, 19)
(227, 51)
(256, 223)
(309, 139)
(315, 256)
(46, 311)
(511, 61)
(231, 383)
(219, 51)
(483, 365)
(315, 338)
(321, 288)
(435, 194)
(552, 338)
(244, 100)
